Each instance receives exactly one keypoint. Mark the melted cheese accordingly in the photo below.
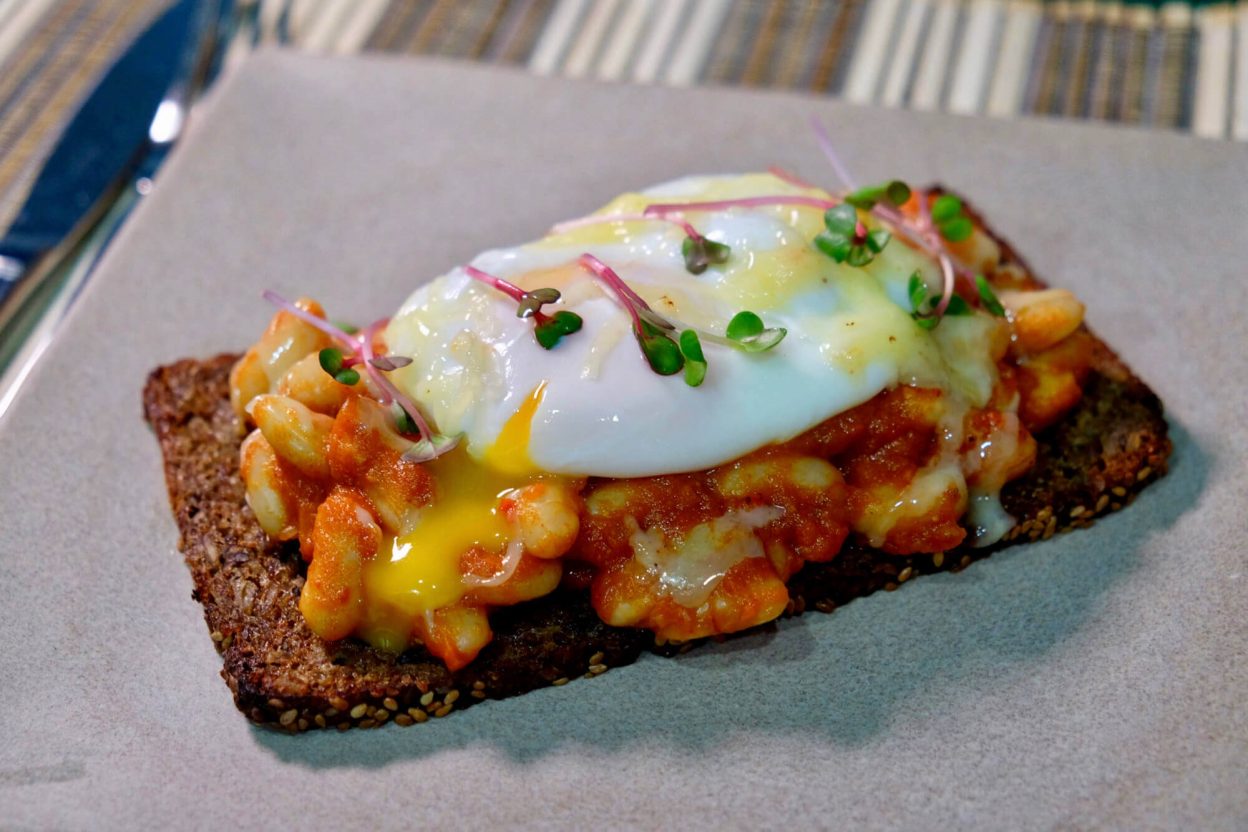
(690, 569)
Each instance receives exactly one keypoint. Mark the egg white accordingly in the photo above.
(605, 412)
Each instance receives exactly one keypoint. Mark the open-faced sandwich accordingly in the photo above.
(710, 404)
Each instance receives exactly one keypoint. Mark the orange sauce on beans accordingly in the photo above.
(822, 487)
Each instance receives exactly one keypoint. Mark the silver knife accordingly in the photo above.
(121, 133)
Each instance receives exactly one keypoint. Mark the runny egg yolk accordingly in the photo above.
(417, 573)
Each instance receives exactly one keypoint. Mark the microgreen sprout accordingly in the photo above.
(695, 361)
(748, 332)
(987, 297)
(744, 325)
(357, 350)
(929, 231)
(404, 422)
(657, 336)
(923, 307)
(661, 352)
(948, 274)
(431, 444)
(333, 363)
(698, 251)
(548, 330)
(531, 303)
(946, 214)
(894, 191)
(847, 240)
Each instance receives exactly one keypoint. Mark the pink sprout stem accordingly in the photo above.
(608, 276)
(946, 264)
(509, 289)
(626, 297)
(390, 393)
(610, 218)
(790, 177)
(670, 208)
(922, 236)
(925, 238)
(825, 144)
(348, 341)
(362, 346)
(636, 307)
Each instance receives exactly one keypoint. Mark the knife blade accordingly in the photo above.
(100, 148)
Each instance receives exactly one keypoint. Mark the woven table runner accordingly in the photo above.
(1171, 66)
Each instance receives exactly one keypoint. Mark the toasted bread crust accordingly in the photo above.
(1095, 460)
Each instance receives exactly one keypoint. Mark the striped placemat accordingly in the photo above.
(1172, 66)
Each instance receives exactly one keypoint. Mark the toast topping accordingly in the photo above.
(898, 405)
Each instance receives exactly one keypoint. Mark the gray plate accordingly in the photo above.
(1095, 679)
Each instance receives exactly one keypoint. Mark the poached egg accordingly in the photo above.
(602, 410)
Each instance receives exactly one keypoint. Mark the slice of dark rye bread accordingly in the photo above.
(1095, 460)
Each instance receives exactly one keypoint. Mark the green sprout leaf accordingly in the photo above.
(744, 325)
(952, 223)
(546, 295)
(958, 306)
(842, 241)
(661, 352)
(331, 360)
(695, 361)
(748, 332)
(533, 301)
(841, 219)
(350, 329)
(922, 304)
(877, 239)
(837, 246)
(717, 253)
(917, 291)
(403, 421)
(956, 230)
(332, 363)
(988, 297)
(894, 191)
(699, 253)
(859, 255)
(764, 340)
(551, 331)
(946, 207)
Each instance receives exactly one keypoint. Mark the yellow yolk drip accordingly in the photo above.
(417, 573)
